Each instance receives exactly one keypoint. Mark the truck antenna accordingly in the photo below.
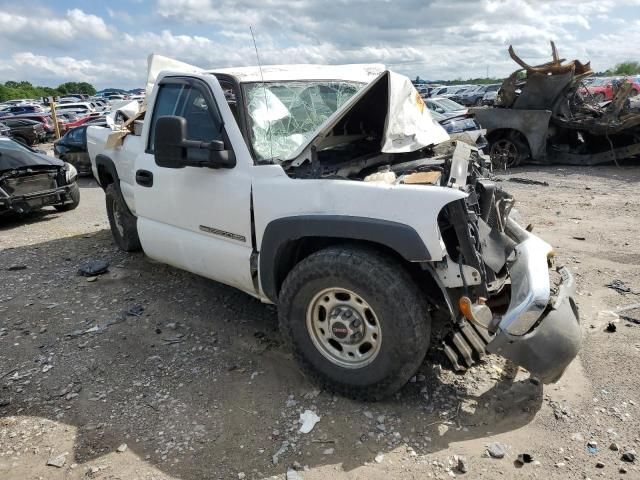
(264, 90)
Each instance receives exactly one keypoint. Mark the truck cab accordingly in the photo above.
(330, 192)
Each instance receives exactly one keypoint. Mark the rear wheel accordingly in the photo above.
(356, 321)
(599, 97)
(122, 222)
(509, 151)
(633, 93)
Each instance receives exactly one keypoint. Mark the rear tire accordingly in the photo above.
(350, 285)
(509, 151)
(122, 222)
(75, 197)
(599, 97)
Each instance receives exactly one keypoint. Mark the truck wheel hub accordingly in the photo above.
(344, 328)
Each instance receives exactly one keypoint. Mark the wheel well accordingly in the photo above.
(508, 133)
(293, 252)
(104, 176)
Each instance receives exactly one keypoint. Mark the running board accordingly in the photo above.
(465, 345)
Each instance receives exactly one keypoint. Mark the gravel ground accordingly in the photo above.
(153, 373)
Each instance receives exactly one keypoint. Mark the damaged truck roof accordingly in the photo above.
(382, 105)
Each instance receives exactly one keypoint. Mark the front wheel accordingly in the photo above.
(356, 321)
(74, 193)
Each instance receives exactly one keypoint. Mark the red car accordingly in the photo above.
(602, 88)
(78, 122)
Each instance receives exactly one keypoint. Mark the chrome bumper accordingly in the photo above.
(540, 336)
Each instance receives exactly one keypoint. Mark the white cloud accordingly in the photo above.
(436, 39)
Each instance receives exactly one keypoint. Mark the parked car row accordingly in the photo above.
(603, 89)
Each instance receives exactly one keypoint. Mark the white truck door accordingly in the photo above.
(196, 218)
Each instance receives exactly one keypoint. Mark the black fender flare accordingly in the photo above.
(398, 237)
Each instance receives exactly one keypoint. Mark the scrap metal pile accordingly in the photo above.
(544, 114)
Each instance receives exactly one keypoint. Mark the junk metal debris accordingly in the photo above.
(93, 268)
(620, 287)
(528, 181)
(543, 114)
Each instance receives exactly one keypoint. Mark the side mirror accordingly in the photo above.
(173, 150)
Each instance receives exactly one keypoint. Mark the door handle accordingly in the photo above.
(144, 178)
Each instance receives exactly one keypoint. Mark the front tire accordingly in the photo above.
(74, 192)
(356, 321)
(122, 222)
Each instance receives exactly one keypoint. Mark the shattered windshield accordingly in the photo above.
(284, 115)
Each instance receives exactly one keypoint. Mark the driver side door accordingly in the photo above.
(196, 218)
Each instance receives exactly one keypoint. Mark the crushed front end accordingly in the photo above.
(23, 190)
(506, 295)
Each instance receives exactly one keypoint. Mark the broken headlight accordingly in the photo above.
(71, 174)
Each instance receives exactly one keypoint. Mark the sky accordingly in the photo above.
(107, 43)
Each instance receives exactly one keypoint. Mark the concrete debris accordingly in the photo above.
(461, 463)
(58, 461)
(122, 448)
(294, 475)
(496, 450)
(629, 456)
(308, 419)
(379, 458)
(600, 465)
(614, 446)
(281, 451)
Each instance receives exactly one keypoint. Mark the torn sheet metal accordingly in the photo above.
(407, 125)
(158, 63)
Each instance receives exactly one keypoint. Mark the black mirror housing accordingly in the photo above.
(171, 132)
(171, 147)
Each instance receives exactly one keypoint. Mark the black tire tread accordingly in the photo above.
(130, 242)
(384, 274)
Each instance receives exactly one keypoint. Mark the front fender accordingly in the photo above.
(279, 233)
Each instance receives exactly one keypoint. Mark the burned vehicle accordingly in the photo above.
(331, 192)
(543, 115)
(30, 180)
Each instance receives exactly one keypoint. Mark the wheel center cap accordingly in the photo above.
(339, 330)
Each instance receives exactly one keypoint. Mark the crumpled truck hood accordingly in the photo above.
(408, 124)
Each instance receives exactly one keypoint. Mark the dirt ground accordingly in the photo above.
(197, 385)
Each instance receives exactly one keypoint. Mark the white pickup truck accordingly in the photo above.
(330, 192)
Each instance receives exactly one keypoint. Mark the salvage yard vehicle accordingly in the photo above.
(446, 106)
(331, 192)
(72, 148)
(28, 132)
(540, 116)
(30, 180)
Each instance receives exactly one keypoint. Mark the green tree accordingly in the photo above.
(627, 68)
(77, 87)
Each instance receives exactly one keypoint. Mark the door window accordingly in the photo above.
(204, 122)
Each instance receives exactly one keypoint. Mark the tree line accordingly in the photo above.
(12, 90)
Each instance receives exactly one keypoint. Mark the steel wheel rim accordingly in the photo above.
(504, 152)
(344, 328)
